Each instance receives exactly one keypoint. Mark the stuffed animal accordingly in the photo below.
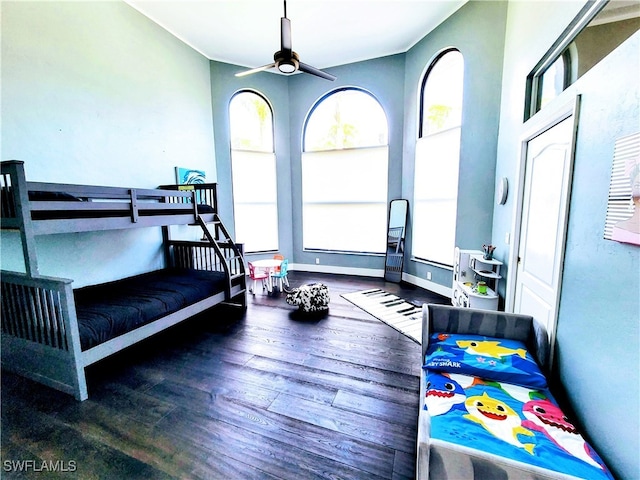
(310, 298)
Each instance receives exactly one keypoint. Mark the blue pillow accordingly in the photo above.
(498, 359)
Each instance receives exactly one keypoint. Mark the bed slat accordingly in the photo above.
(39, 328)
(33, 313)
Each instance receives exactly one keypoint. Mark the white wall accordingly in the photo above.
(95, 93)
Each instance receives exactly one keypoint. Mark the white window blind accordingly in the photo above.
(437, 160)
(255, 200)
(344, 196)
(345, 174)
(253, 164)
(436, 196)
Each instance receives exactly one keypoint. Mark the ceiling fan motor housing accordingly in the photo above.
(287, 61)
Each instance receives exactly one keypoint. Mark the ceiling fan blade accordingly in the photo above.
(285, 34)
(255, 70)
(303, 67)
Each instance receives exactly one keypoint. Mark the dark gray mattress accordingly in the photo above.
(108, 310)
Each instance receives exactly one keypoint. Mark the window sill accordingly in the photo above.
(432, 264)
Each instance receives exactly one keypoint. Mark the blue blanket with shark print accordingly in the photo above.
(499, 359)
(510, 421)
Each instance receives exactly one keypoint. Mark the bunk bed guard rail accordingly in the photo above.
(38, 332)
(47, 208)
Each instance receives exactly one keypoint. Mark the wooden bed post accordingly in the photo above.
(40, 337)
(19, 195)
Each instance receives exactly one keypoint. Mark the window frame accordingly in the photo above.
(306, 151)
(560, 48)
(423, 84)
(422, 136)
(271, 153)
(329, 94)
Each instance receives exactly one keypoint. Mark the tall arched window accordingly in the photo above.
(345, 173)
(253, 166)
(438, 159)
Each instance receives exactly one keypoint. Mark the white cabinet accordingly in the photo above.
(470, 267)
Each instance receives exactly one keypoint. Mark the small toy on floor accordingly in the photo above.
(309, 298)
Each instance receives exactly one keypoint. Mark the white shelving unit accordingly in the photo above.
(471, 267)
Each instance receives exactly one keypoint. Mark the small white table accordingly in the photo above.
(269, 265)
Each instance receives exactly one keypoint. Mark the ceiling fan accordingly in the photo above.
(285, 59)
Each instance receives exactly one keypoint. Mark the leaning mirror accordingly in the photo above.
(396, 229)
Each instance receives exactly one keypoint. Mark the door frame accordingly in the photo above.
(538, 124)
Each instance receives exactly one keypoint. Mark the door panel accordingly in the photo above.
(541, 241)
(543, 208)
(536, 306)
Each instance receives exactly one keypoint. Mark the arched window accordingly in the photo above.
(253, 166)
(438, 159)
(345, 173)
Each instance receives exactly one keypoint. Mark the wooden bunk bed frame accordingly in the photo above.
(40, 334)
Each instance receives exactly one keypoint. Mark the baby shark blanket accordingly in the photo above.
(511, 421)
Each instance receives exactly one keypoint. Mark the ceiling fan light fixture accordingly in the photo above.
(287, 64)
(287, 67)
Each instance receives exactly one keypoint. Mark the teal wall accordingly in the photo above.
(96, 93)
(382, 78)
(291, 99)
(93, 92)
(224, 84)
(477, 30)
(598, 338)
(598, 355)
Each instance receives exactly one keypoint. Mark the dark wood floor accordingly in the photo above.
(262, 395)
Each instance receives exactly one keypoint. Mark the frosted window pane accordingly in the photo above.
(255, 200)
(346, 119)
(437, 160)
(251, 123)
(442, 94)
(436, 196)
(345, 200)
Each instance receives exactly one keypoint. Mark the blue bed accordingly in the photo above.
(486, 409)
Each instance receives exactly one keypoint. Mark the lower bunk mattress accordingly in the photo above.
(111, 309)
(499, 424)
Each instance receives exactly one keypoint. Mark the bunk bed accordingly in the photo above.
(51, 332)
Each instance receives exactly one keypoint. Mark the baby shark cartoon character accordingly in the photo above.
(545, 417)
(443, 394)
(488, 348)
(498, 419)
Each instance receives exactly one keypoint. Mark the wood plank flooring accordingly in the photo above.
(266, 394)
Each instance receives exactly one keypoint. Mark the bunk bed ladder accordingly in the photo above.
(234, 264)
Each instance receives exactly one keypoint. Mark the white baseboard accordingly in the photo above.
(372, 272)
(428, 285)
(361, 272)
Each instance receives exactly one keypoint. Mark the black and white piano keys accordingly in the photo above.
(396, 312)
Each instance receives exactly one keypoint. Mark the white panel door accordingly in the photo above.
(547, 181)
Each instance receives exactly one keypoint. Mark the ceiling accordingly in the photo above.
(324, 33)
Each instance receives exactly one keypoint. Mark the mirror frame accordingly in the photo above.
(394, 260)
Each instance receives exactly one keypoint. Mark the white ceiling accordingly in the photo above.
(324, 33)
